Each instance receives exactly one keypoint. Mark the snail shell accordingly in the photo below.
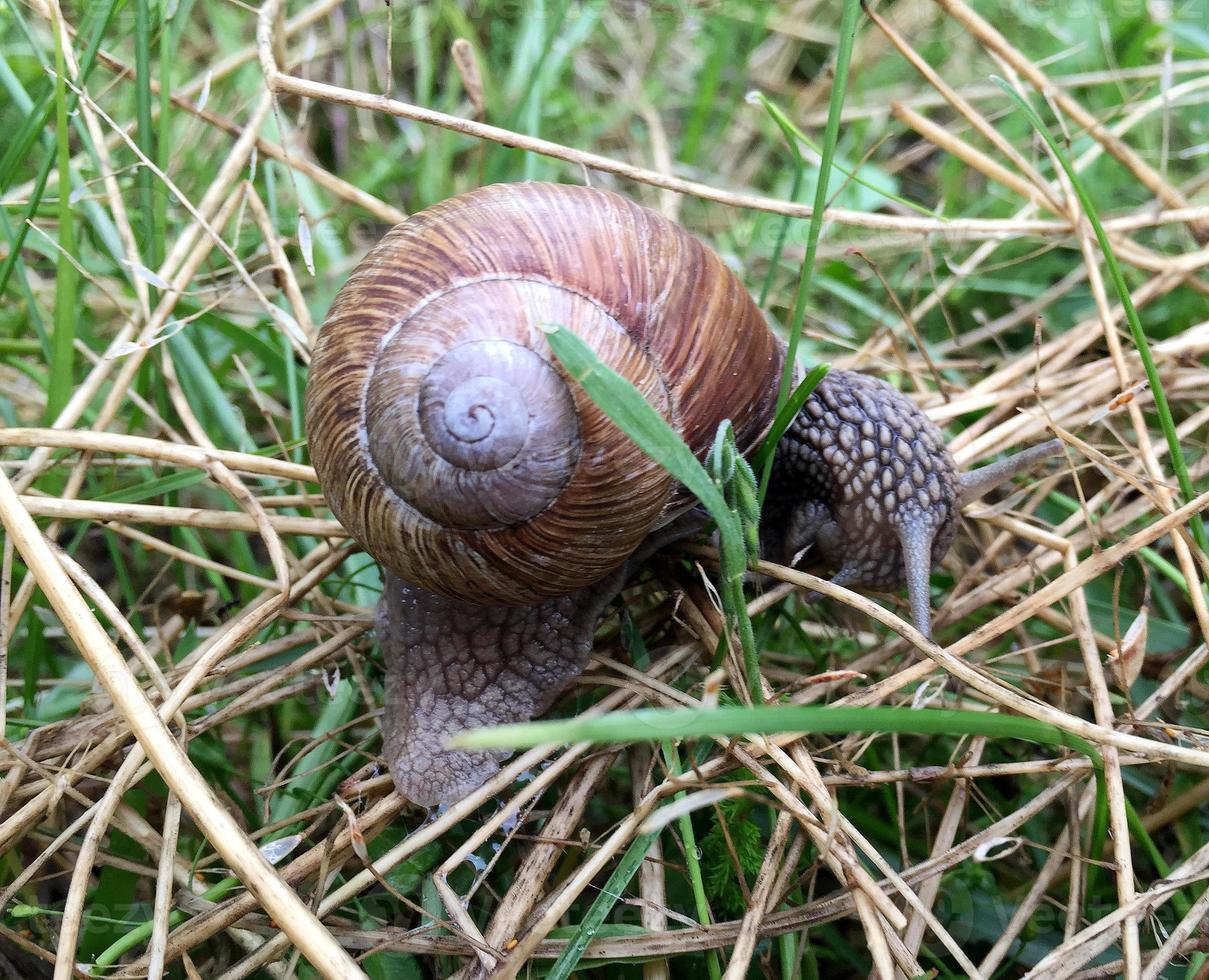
(451, 444)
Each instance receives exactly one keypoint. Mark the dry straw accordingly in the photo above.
(1060, 385)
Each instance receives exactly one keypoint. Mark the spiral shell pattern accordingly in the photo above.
(446, 437)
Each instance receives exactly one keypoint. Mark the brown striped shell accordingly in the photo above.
(450, 443)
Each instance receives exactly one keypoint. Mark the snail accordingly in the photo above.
(506, 510)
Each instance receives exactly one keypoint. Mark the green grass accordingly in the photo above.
(619, 79)
(62, 355)
(785, 394)
(656, 437)
(1137, 332)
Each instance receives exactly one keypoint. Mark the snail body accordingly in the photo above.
(865, 489)
(504, 506)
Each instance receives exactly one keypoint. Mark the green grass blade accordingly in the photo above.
(624, 404)
(793, 136)
(169, 35)
(635, 416)
(654, 724)
(62, 352)
(203, 390)
(843, 57)
(799, 167)
(706, 101)
(565, 965)
(153, 488)
(692, 859)
(1166, 421)
(87, 62)
(315, 775)
(146, 130)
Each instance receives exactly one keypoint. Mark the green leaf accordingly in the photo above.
(564, 966)
(639, 420)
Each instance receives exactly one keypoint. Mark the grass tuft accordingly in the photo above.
(169, 241)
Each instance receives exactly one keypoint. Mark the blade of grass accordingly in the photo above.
(140, 933)
(1166, 420)
(636, 417)
(40, 342)
(692, 859)
(36, 121)
(62, 353)
(146, 130)
(793, 136)
(318, 773)
(652, 724)
(36, 115)
(169, 35)
(799, 167)
(19, 345)
(21, 100)
(843, 57)
(705, 103)
(622, 402)
(565, 965)
(216, 410)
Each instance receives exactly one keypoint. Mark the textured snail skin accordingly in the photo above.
(864, 486)
(453, 665)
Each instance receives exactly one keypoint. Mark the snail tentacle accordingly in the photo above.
(977, 483)
(916, 537)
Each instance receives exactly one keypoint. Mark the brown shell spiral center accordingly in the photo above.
(498, 433)
(477, 404)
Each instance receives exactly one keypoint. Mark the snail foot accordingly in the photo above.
(453, 665)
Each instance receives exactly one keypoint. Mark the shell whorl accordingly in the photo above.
(446, 437)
